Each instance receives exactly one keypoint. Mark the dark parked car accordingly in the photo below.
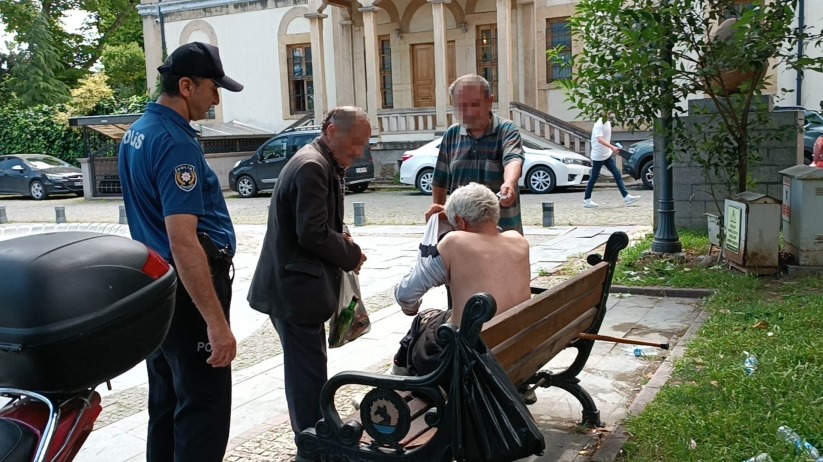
(812, 119)
(638, 158)
(260, 171)
(38, 176)
(809, 137)
(813, 128)
(638, 161)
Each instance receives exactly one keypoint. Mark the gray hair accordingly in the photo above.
(344, 118)
(470, 80)
(474, 203)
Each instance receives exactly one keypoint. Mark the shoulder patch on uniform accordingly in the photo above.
(185, 176)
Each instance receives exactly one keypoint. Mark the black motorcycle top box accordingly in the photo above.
(79, 308)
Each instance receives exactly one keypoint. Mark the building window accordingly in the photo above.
(738, 8)
(559, 35)
(487, 54)
(212, 114)
(386, 94)
(301, 85)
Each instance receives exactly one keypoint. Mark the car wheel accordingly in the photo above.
(541, 180)
(37, 190)
(424, 181)
(246, 186)
(807, 157)
(359, 187)
(647, 175)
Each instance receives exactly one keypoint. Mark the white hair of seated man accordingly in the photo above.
(474, 203)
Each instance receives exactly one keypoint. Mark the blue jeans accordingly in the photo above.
(612, 166)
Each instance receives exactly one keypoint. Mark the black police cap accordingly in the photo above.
(197, 59)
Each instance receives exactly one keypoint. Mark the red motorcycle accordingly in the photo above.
(77, 310)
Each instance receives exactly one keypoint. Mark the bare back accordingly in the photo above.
(497, 264)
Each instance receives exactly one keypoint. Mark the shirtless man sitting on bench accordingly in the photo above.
(476, 257)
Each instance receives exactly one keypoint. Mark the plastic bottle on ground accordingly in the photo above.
(762, 457)
(750, 363)
(642, 351)
(802, 446)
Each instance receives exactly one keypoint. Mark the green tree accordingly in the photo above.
(110, 22)
(624, 68)
(7, 62)
(34, 130)
(126, 67)
(114, 22)
(33, 79)
(92, 92)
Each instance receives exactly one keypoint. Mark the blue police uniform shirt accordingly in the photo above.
(163, 172)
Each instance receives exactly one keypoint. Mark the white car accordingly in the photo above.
(543, 170)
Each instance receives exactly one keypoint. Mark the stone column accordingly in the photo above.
(372, 66)
(154, 51)
(441, 93)
(530, 55)
(318, 65)
(343, 63)
(504, 61)
(359, 61)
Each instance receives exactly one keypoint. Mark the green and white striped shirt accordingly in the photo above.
(464, 159)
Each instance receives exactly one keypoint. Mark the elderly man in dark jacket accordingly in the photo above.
(305, 250)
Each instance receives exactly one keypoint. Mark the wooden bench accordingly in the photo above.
(409, 418)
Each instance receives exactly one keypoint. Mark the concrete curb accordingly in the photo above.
(658, 291)
(613, 444)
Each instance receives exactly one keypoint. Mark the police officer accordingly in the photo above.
(175, 205)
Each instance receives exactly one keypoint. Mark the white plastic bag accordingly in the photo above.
(351, 319)
(435, 229)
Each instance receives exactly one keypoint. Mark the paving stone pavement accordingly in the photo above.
(383, 207)
(260, 429)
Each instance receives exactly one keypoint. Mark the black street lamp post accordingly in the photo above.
(665, 239)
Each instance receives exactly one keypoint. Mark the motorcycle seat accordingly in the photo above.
(17, 441)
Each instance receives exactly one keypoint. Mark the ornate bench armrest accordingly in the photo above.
(349, 433)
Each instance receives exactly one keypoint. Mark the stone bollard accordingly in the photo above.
(123, 220)
(359, 214)
(60, 214)
(3, 218)
(548, 214)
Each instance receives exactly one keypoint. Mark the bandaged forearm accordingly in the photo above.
(428, 272)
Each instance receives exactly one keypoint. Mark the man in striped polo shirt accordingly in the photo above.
(484, 148)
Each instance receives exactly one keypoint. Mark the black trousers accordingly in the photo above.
(189, 400)
(304, 363)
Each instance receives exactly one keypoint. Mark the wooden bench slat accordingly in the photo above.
(525, 342)
(417, 429)
(512, 322)
(418, 406)
(422, 439)
(525, 368)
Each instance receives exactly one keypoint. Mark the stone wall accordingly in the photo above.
(692, 193)
(386, 157)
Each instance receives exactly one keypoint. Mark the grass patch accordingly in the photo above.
(637, 268)
(710, 400)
